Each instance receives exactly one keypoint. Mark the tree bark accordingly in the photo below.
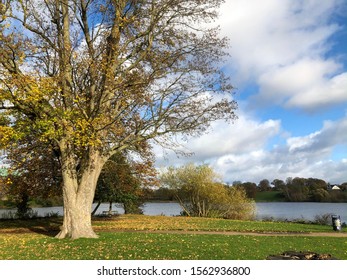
(77, 219)
(78, 194)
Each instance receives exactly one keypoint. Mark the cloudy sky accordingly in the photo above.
(288, 65)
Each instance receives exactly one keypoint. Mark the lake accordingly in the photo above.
(277, 210)
(298, 210)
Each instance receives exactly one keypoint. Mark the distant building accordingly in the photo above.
(332, 187)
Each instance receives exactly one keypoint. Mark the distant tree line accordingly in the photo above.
(292, 190)
(298, 189)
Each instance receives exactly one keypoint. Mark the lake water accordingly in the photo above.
(298, 210)
(276, 210)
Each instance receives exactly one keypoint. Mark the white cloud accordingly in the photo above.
(239, 145)
(274, 32)
(301, 143)
(325, 92)
(305, 156)
(281, 45)
(239, 152)
(307, 83)
(294, 80)
(333, 133)
(243, 136)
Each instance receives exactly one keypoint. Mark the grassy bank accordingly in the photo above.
(135, 237)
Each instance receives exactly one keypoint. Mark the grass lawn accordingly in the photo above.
(33, 240)
(139, 222)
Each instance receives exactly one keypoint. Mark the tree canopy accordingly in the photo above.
(95, 77)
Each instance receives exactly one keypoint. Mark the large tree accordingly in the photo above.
(96, 77)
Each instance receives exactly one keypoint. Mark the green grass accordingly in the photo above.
(138, 222)
(141, 222)
(25, 240)
(151, 246)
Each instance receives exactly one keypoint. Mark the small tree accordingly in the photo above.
(33, 173)
(200, 193)
(122, 181)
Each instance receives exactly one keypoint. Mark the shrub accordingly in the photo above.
(324, 219)
(199, 192)
(240, 207)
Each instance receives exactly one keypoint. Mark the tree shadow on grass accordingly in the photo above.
(45, 226)
(45, 231)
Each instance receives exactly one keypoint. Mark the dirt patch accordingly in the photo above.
(313, 234)
(291, 255)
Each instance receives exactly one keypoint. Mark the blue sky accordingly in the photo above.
(288, 63)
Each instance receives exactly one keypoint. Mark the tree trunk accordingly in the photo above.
(78, 196)
(77, 219)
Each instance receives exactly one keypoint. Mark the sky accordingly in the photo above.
(288, 64)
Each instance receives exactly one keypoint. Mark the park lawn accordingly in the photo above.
(141, 222)
(158, 246)
(129, 237)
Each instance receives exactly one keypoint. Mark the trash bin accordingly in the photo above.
(336, 222)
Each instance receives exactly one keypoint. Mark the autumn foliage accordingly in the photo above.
(200, 193)
(95, 78)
